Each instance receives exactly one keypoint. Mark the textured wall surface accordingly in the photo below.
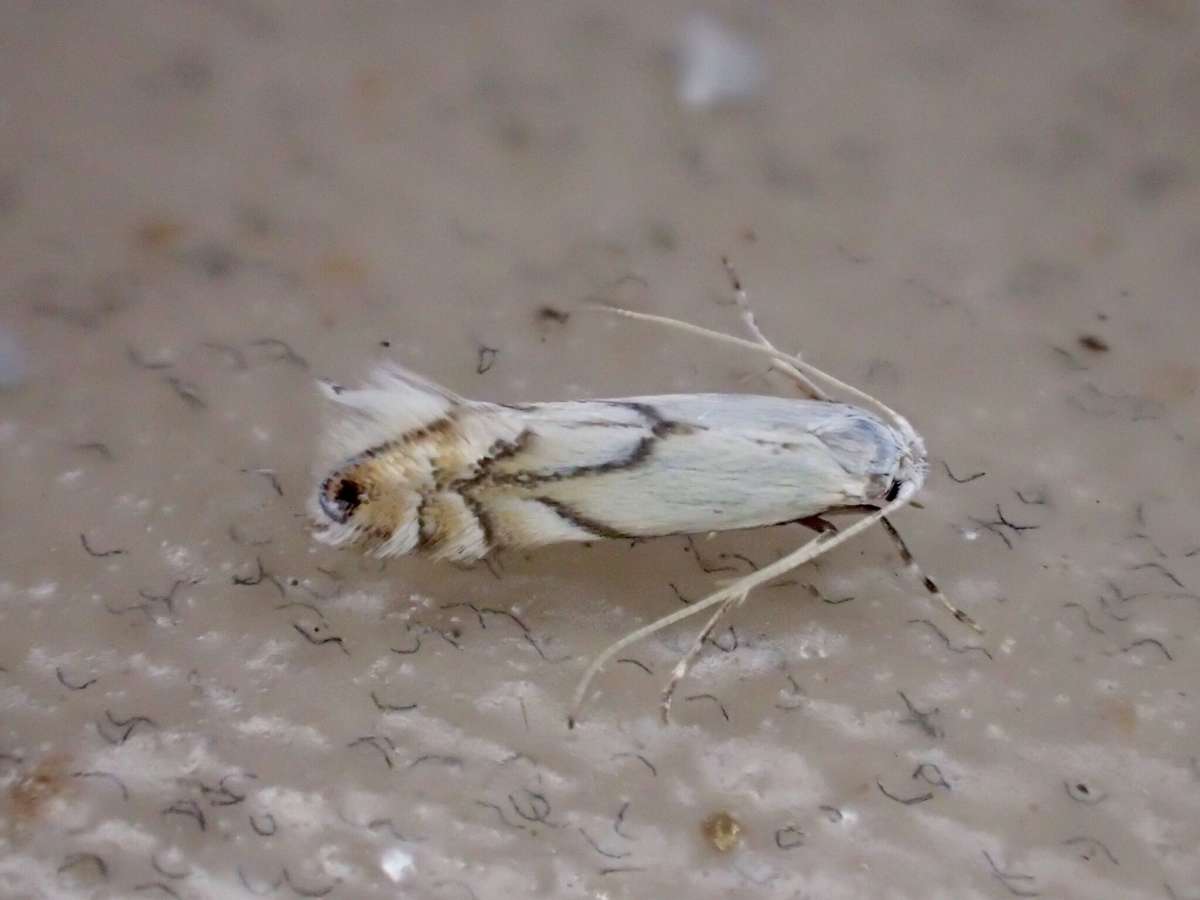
(983, 212)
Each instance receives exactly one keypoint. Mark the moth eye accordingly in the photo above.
(340, 497)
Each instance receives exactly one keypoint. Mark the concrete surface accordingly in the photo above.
(984, 212)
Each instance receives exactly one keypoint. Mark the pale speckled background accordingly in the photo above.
(938, 200)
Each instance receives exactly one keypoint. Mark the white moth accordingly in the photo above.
(411, 467)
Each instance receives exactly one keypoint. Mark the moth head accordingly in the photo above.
(913, 468)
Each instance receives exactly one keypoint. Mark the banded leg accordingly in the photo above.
(743, 302)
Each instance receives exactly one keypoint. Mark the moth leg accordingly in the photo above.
(917, 573)
(818, 524)
(685, 661)
(743, 302)
(736, 590)
(814, 523)
(742, 299)
(739, 588)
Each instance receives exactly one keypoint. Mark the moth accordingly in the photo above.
(410, 467)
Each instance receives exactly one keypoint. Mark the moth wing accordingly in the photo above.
(567, 439)
(857, 440)
(717, 461)
(393, 401)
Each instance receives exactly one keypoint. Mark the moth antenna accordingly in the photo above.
(739, 588)
(778, 355)
(916, 572)
(743, 302)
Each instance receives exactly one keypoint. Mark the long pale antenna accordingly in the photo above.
(778, 355)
